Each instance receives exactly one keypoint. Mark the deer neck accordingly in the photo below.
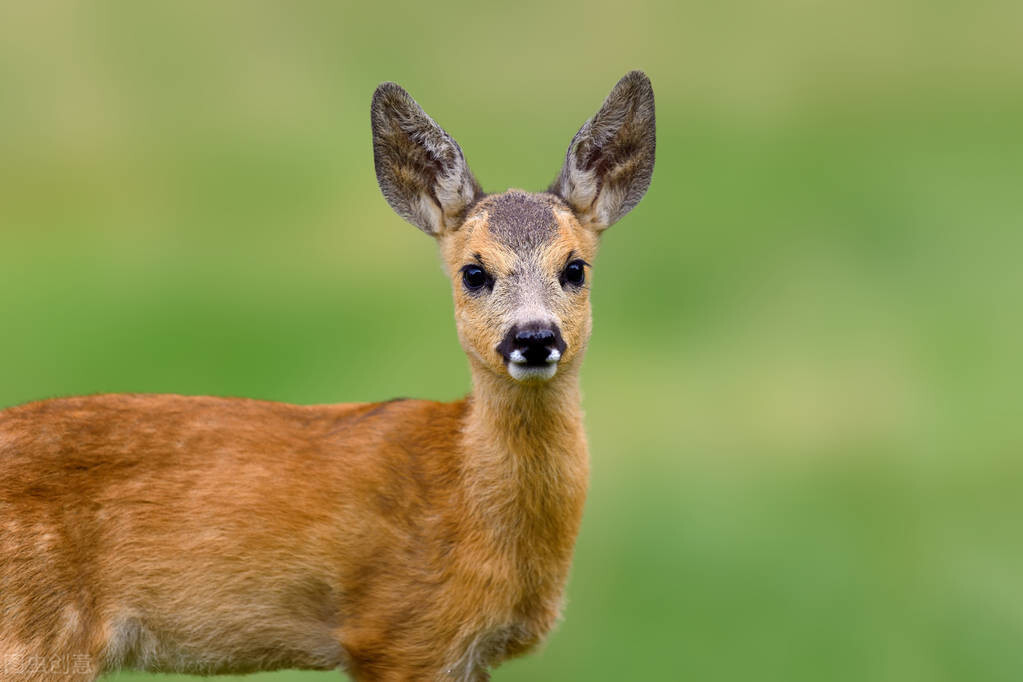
(525, 462)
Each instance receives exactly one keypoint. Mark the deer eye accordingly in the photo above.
(474, 277)
(574, 273)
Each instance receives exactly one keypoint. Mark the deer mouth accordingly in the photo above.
(531, 352)
(523, 367)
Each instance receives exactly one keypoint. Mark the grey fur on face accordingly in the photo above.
(520, 220)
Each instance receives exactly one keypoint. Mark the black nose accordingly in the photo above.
(535, 344)
(532, 345)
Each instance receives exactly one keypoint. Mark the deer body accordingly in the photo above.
(405, 540)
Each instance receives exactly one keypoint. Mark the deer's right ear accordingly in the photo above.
(420, 168)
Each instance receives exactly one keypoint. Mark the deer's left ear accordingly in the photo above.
(420, 168)
(611, 159)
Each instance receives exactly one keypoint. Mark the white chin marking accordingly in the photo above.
(523, 373)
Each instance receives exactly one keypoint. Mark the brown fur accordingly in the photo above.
(407, 540)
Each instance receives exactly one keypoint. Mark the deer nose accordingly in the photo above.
(536, 346)
(533, 345)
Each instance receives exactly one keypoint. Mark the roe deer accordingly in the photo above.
(404, 540)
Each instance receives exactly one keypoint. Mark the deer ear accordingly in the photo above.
(611, 159)
(420, 168)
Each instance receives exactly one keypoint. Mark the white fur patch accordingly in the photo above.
(521, 372)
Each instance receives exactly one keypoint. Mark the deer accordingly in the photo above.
(400, 540)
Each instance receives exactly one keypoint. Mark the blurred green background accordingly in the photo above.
(802, 391)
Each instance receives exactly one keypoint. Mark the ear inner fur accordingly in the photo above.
(420, 168)
(610, 160)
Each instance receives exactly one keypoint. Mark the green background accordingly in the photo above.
(802, 390)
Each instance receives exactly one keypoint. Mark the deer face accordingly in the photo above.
(519, 262)
(520, 271)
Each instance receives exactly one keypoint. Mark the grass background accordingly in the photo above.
(802, 391)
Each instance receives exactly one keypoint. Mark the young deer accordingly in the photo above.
(405, 540)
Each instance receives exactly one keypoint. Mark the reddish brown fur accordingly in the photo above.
(407, 540)
(247, 535)
(252, 536)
